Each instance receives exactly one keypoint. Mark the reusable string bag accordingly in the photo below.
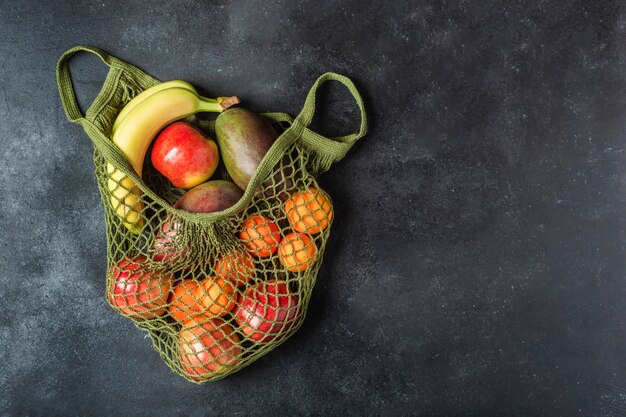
(215, 291)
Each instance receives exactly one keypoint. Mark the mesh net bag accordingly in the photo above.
(215, 291)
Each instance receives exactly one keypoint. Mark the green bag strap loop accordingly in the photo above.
(66, 88)
(70, 105)
(333, 149)
(64, 79)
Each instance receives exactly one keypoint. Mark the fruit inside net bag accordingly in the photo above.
(214, 290)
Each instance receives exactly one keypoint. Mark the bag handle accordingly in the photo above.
(70, 105)
(66, 88)
(64, 80)
(330, 149)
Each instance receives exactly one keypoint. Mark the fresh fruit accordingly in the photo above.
(126, 199)
(183, 302)
(210, 197)
(260, 235)
(278, 185)
(184, 155)
(267, 311)
(208, 346)
(217, 295)
(145, 94)
(297, 252)
(168, 245)
(237, 266)
(309, 211)
(134, 134)
(137, 292)
(244, 138)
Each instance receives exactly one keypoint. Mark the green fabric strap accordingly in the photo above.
(335, 148)
(66, 89)
(68, 100)
(64, 80)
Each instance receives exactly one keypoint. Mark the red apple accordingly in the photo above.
(168, 246)
(267, 310)
(138, 292)
(185, 155)
(208, 346)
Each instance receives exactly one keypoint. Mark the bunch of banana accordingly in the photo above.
(137, 125)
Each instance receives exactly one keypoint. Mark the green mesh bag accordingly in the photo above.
(215, 291)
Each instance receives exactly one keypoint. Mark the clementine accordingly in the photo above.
(183, 302)
(237, 266)
(309, 211)
(297, 252)
(260, 235)
(217, 295)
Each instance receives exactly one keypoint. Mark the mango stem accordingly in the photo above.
(227, 102)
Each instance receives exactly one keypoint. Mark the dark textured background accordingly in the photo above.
(476, 267)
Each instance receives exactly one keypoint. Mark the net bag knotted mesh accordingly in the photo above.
(214, 291)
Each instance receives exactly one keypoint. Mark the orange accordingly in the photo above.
(217, 295)
(237, 266)
(309, 211)
(184, 301)
(297, 252)
(260, 235)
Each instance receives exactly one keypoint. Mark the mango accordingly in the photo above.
(244, 138)
(210, 197)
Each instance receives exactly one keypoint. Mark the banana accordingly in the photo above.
(135, 132)
(147, 93)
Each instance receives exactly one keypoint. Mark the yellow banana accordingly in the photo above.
(147, 93)
(136, 131)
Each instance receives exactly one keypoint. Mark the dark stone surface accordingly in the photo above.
(477, 262)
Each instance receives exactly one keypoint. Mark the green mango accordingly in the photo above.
(210, 197)
(244, 138)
